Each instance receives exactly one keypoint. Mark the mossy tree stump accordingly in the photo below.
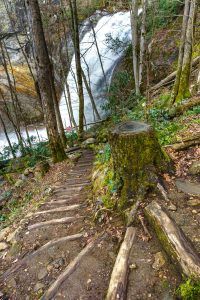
(137, 159)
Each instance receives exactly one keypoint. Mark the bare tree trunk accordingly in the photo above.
(58, 115)
(23, 52)
(45, 81)
(55, 99)
(16, 122)
(99, 55)
(181, 51)
(17, 101)
(75, 33)
(91, 96)
(7, 137)
(142, 40)
(198, 80)
(70, 106)
(184, 84)
(134, 29)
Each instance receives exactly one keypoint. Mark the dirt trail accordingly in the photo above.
(61, 254)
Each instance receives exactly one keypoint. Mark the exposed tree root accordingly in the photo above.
(141, 219)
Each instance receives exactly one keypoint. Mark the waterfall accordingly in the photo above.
(116, 26)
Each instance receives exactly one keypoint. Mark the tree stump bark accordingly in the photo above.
(137, 159)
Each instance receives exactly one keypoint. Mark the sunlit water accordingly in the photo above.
(117, 26)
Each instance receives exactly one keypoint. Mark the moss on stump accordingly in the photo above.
(137, 159)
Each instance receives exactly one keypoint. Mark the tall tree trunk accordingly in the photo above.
(7, 136)
(70, 106)
(198, 80)
(134, 29)
(15, 120)
(45, 82)
(183, 89)
(142, 40)
(91, 96)
(99, 55)
(181, 51)
(75, 33)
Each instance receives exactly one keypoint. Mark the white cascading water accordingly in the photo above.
(115, 25)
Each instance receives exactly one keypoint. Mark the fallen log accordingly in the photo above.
(185, 143)
(53, 289)
(179, 248)
(171, 77)
(184, 106)
(118, 281)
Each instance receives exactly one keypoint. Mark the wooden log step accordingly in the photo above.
(179, 248)
(55, 201)
(66, 197)
(59, 209)
(69, 189)
(53, 289)
(43, 248)
(55, 222)
(118, 281)
(73, 182)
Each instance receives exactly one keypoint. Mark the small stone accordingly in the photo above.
(3, 233)
(89, 141)
(133, 266)
(12, 283)
(59, 262)
(194, 211)
(42, 273)
(11, 237)
(159, 261)
(3, 246)
(49, 268)
(1, 294)
(195, 168)
(194, 202)
(89, 284)
(38, 286)
(89, 281)
(172, 207)
(19, 183)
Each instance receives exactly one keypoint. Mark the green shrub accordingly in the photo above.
(38, 152)
(161, 13)
(104, 155)
(190, 289)
(121, 96)
(72, 137)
